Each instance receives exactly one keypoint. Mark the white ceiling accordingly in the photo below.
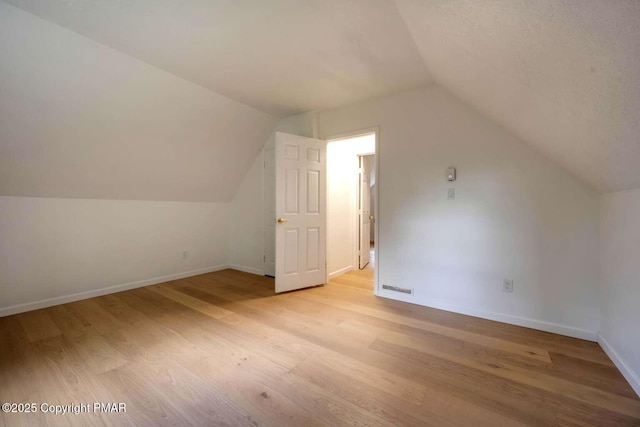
(280, 56)
(561, 74)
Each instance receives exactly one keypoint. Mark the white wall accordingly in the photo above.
(247, 231)
(620, 287)
(81, 120)
(57, 250)
(304, 124)
(516, 215)
(342, 193)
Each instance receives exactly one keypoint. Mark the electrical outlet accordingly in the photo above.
(507, 285)
(185, 254)
(451, 193)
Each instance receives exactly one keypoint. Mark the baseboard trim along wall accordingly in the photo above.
(540, 325)
(21, 308)
(247, 269)
(341, 271)
(632, 377)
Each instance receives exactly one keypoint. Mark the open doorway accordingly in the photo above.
(351, 205)
(366, 210)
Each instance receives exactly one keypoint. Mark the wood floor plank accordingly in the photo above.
(595, 374)
(63, 378)
(385, 405)
(191, 397)
(522, 350)
(456, 411)
(121, 310)
(223, 349)
(302, 326)
(586, 394)
(17, 367)
(579, 371)
(38, 325)
(101, 320)
(325, 406)
(194, 303)
(463, 378)
(380, 379)
(200, 329)
(96, 352)
(266, 406)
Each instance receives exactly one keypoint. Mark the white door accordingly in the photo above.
(364, 213)
(300, 212)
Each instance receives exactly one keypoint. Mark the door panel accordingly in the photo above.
(291, 247)
(313, 191)
(292, 190)
(300, 218)
(313, 249)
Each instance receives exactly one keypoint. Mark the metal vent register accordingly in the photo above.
(398, 289)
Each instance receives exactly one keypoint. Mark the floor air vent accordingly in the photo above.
(397, 289)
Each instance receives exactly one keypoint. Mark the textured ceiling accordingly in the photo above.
(560, 74)
(280, 56)
(564, 75)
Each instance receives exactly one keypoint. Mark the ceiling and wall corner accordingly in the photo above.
(561, 74)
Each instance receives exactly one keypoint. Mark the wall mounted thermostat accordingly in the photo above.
(451, 174)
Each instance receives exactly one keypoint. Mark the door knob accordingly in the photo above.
(371, 217)
(281, 220)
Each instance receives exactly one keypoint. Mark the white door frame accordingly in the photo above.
(376, 131)
(363, 251)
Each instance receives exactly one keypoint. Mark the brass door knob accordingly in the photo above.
(281, 220)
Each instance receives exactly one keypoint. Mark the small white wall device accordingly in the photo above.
(451, 174)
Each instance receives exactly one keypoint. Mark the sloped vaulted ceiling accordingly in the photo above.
(280, 56)
(172, 99)
(561, 74)
(564, 75)
(80, 120)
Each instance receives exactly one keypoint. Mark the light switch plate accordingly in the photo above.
(451, 193)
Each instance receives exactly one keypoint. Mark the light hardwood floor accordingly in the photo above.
(222, 349)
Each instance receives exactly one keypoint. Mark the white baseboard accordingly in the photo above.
(21, 308)
(341, 271)
(247, 269)
(526, 322)
(632, 377)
